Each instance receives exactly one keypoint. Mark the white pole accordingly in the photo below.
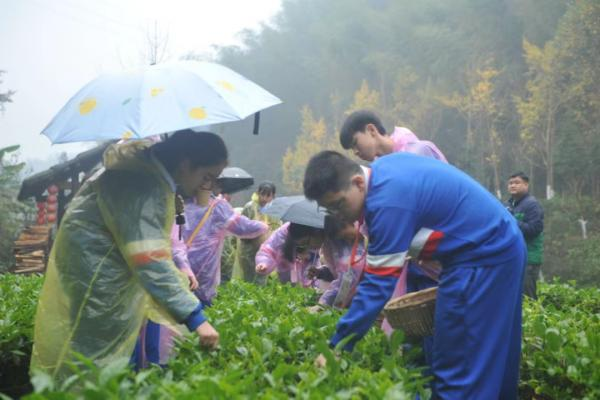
(549, 192)
(583, 224)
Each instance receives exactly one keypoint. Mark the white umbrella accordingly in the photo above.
(157, 99)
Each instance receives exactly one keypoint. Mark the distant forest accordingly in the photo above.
(498, 85)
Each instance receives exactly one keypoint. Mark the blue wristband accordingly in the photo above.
(195, 319)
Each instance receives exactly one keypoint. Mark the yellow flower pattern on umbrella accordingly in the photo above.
(156, 91)
(198, 113)
(155, 99)
(87, 105)
(226, 85)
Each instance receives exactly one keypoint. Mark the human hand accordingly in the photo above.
(209, 337)
(261, 268)
(320, 361)
(317, 308)
(193, 281)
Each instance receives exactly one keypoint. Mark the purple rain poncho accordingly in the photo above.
(271, 254)
(203, 255)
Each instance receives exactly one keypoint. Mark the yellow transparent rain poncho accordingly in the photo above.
(110, 264)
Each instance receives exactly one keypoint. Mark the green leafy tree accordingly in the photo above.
(578, 56)
(416, 104)
(313, 138)
(12, 212)
(365, 98)
(410, 54)
(545, 98)
(479, 107)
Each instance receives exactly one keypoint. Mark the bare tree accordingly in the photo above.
(157, 42)
(5, 97)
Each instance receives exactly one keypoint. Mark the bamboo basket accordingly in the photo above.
(413, 313)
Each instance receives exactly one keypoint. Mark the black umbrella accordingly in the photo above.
(234, 179)
(296, 209)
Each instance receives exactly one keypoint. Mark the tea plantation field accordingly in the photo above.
(269, 343)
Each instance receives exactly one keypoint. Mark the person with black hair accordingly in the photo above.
(344, 253)
(208, 221)
(247, 248)
(364, 134)
(266, 192)
(419, 207)
(530, 218)
(292, 250)
(111, 261)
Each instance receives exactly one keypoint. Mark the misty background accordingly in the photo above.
(498, 85)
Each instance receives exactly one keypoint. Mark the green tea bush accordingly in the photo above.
(18, 301)
(267, 350)
(269, 342)
(561, 343)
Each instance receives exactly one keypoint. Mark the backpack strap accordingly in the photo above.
(201, 223)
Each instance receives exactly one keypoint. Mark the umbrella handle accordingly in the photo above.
(256, 123)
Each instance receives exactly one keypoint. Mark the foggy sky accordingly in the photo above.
(49, 49)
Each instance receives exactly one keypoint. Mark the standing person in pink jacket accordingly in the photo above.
(208, 221)
(344, 254)
(364, 134)
(293, 250)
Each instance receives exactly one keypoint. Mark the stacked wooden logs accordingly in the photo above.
(31, 249)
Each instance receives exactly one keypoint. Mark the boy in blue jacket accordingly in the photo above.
(435, 211)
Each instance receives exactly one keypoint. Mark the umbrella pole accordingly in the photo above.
(256, 123)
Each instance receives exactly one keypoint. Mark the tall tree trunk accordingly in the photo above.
(549, 153)
(531, 172)
(469, 139)
(497, 179)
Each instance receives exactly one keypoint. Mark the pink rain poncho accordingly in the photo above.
(203, 254)
(405, 140)
(338, 257)
(271, 255)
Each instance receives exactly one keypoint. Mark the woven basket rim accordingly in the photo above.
(414, 299)
(413, 313)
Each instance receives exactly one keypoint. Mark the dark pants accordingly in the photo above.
(532, 274)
